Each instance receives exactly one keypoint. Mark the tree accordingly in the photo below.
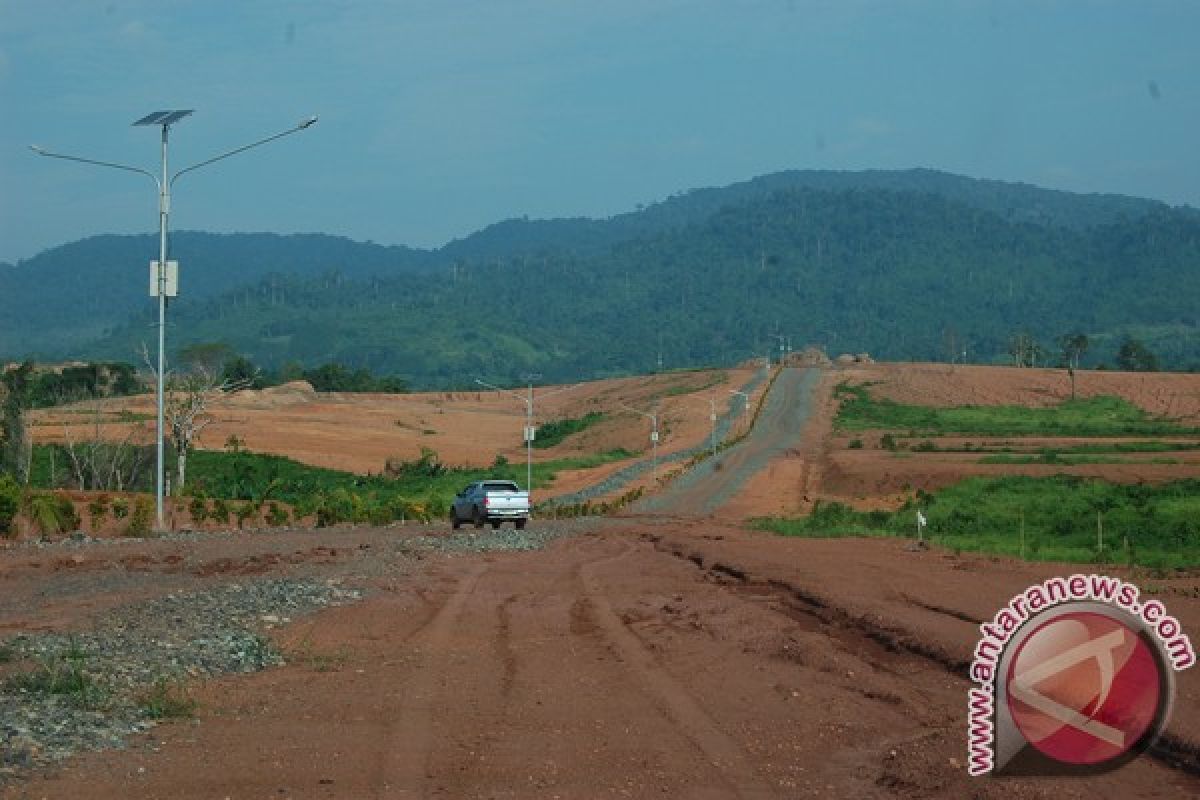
(1134, 356)
(1024, 349)
(15, 446)
(239, 370)
(185, 407)
(1073, 347)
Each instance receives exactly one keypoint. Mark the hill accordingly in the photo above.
(907, 265)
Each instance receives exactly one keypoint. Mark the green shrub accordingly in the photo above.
(243, 512)
(219, 513)
(277, 516)
(198, 508)
(51, 513)
(855, 444)
(887, 442)
(140, 518)
(120, 508)
(553, 433)
(10, 503)
(98, 509)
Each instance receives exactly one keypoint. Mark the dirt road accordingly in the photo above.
(649, 656)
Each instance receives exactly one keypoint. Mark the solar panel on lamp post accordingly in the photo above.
(165, 119)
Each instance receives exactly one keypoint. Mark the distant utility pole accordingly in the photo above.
(530, 430)
(782, 342)
(653, 417)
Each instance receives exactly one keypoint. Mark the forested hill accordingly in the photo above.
(899, 274)
(64, 297)
(903, 264)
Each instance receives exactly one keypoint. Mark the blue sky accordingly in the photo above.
(438, 118)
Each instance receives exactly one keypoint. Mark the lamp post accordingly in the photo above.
(653, 417)
(165, 119)
(782, 341)
(529, 429)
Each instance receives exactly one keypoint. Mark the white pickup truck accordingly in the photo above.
(490, 501)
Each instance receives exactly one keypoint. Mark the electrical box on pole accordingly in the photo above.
(530, 432)
(170, 281)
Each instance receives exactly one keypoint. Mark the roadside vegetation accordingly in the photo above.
(553, 433)
(1092, 416)
(1058, 518)
(235, 486)
(1047, 518)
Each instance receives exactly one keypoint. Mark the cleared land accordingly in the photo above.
(860, 467)
(360, 432)
(672, 653)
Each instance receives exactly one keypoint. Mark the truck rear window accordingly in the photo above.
(500, 486)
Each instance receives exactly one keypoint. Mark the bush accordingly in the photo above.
(51, 513)
(140, 517)
(243, 512)
(887, 442)
(98, 509)
(120, 508)
(277, 516)
(10, 502)
(855, 444)
(198, 508)
(219, 513)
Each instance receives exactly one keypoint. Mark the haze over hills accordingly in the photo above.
(907, 264)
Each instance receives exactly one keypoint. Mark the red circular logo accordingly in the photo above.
(1084, 688)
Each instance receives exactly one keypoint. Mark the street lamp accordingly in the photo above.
(165, 119)
(529, 429)
(782, 341)
(653, 433)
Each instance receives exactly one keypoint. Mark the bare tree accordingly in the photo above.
(186, 404)
(1073, 347)
(1024, 349)
(101, 462)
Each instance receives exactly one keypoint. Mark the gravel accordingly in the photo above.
(138, 649)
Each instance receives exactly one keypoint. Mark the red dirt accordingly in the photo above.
(872, 477)
(653, 657)
(360, 432)
(676, 659)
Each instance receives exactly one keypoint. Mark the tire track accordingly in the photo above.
(673, 700)
(404, 772)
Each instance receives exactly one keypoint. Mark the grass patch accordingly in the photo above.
(1057, 457)
(167, 699)
(1152, 526)
(553, 433)
(1093, 416)
(62, 674)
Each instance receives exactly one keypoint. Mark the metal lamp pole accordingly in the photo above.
(529, 432)
(165, 119)
(653, 433)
